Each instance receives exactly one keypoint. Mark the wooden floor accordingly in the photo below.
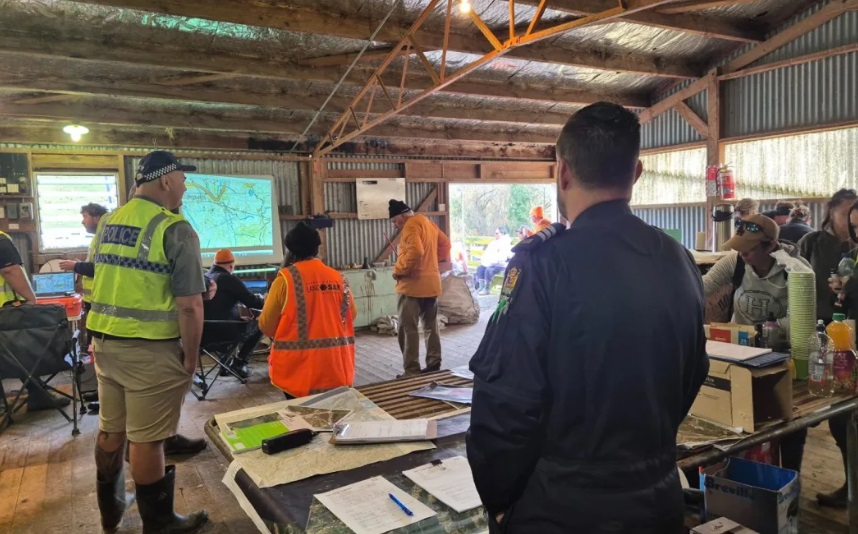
(47, 477)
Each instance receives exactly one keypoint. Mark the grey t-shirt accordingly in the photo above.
(182, 247)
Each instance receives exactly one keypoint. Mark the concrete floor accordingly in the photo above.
(47, 477)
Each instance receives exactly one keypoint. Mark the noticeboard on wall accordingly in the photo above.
(373, 195)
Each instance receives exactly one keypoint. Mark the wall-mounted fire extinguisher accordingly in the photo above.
(726, 183)
(712, 181)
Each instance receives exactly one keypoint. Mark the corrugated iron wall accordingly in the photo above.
(350, 240)
(692, 218)
(688, 219)
(670, 128)
(286, 176)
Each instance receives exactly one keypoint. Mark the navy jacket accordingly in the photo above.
(794, 230)
(588, 366)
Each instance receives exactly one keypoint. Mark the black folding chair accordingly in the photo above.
(221, 341)
(35, 342)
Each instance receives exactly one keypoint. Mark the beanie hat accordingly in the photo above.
(303, 241)
(224, 255)
(397, 207)
(537, 212)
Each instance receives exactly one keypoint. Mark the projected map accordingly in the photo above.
(229, 212)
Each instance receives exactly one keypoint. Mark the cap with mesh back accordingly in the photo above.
(745, 240)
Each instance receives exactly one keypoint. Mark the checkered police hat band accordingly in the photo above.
(156, 173)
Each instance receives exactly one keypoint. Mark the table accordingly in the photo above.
(288, 507)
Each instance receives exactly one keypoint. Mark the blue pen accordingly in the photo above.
(400, 505)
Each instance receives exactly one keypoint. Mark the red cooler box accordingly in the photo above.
(73, 304)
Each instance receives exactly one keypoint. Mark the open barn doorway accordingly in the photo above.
(487, 220)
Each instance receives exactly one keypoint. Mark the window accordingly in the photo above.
(60, 197)
(671, 178)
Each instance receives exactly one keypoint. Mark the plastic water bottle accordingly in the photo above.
(820, 361)
(772, 333)
(846, 266)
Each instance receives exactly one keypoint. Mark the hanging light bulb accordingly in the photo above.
(465, 6)
(76, 132)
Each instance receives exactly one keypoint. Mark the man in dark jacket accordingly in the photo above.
(224, 307)
(588, 366)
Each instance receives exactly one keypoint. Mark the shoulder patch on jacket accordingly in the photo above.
(539, 238)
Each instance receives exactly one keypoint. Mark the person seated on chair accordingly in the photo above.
(224, 307)
(14, 290)
(309, 314)
(493, 260)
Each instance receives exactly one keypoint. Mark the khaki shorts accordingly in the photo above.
(141, 388)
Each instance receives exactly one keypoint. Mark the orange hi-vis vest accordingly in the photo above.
(314, 346)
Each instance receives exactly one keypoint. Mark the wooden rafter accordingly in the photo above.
(336, 135)
(807, 58)
(31, 45)
(699, 5)
(711, 27)
(693, 119)
(830, 11)
(305, 16)
(115, 112)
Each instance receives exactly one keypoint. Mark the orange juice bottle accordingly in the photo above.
(845, 370)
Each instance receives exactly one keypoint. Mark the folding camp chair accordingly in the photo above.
(221, 341)
(35, 342)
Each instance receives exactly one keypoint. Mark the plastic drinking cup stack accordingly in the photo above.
(802, 318)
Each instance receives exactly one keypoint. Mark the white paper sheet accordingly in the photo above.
(451, 482)
(731, 351)
(366, 506)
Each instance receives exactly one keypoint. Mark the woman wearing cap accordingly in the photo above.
(824, 249)
(759, 290)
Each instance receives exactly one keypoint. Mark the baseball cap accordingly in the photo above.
(751, 232)
(224, 255)
(158, 163)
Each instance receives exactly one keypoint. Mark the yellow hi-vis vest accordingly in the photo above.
(131, 291)
(6, 293)
(86, 281)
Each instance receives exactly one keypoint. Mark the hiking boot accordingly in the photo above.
(180, 444)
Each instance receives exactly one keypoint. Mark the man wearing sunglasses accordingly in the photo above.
(759, 289)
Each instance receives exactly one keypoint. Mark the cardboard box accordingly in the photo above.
(722, 525)
(763, 497)
(743, 397)
(738, 334)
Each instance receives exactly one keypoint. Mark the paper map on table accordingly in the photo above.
(445, 393)
(318, 419)
(319, 456)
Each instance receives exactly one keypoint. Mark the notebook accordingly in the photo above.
(53, 284)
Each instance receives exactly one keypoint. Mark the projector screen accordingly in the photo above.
(235, 212)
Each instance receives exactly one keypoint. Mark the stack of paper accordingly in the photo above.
(366, 506)
(450, 481)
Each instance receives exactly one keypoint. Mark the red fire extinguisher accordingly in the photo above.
(712, 181)
(727, 183)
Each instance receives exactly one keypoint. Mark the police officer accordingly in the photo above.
(592, 358)
(146, 319)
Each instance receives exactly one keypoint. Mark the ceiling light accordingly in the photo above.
(76, 131)
(465, 6)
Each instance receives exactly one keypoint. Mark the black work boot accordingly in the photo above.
(110, 488)
(179, 444)
(155, 503)
(838, 498)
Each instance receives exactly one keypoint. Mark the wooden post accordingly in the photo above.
(317, 198)
(714, 154)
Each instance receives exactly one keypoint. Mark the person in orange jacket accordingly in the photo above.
(309, 313)
(422, 246)
(540, 223)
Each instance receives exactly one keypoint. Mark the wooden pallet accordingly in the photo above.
(393, 396)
